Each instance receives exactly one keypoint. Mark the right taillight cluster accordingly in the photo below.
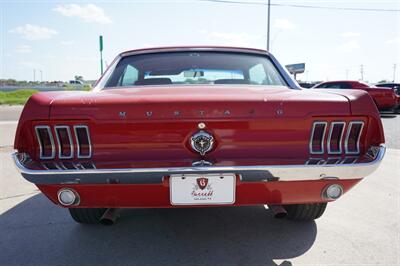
(340, 135)
(63, 145)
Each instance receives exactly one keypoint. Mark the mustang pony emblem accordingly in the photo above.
(202, 142)
(202, 182)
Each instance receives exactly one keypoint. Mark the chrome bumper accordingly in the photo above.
(254, 173)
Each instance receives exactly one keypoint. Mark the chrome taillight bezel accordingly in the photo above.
(340, 140)
(38, 137)
(71, 143)
(78, 144)
(322, 151)
(346, 143)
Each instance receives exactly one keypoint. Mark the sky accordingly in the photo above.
(60, 39)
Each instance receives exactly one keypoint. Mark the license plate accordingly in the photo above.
(206, 189)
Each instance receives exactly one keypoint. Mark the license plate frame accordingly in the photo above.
(214, 189)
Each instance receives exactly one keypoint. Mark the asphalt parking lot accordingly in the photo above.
(362, 228)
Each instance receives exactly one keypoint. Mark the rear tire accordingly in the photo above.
(87, 215)
(305, 212)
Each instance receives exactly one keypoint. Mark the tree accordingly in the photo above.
(80, 78)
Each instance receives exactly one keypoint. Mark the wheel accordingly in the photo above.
(305, 212)
(87, 215)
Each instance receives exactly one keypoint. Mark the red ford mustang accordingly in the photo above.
(384, 98)
(197, 126)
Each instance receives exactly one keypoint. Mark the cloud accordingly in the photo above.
(350, 34)
(23, 49)
(283, 24)
(67, 43)
(393, 41)
(27, 64)
(232, 39)
(89, 13)
(33, 32)
(349, 46)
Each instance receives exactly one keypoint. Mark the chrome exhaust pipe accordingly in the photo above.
(109, 217)
(278, 211)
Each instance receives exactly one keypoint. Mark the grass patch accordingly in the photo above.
(15, 97)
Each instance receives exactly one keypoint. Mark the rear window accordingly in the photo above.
(194, 68)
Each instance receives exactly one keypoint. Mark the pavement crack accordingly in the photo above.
(20, 195)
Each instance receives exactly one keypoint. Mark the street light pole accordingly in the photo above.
(268, 23)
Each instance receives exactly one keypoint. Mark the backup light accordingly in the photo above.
(333, 192)
(68, 197)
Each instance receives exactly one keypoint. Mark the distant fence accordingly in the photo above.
(40, 88)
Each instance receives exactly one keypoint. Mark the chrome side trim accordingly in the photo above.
(78, 144)
(53, 148)
(313, 161)
(349, 160)
(333, 160)
(333, 124)
(322, 140)
(156, 175)
(71, 143)
(358, 139)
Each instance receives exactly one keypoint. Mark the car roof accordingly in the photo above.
(194, 48)
(336, 81)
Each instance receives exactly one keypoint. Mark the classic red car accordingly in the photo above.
(385, 98)
(197, 126)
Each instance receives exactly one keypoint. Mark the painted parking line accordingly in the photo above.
(8, 122)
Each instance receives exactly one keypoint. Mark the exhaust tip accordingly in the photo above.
(106, 222)
(109, 217)
(278, 211)
(280, 215)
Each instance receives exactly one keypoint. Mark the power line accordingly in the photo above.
(303, 6)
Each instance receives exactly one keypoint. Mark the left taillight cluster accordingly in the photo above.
(63, 141)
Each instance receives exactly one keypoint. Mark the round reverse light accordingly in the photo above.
(333, 191)
(67, 197)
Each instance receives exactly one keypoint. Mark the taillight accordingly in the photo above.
(65, 144)
(64, 137)
(46, 142)
(84, 148)
(335, 137)
(317, 138)
(352, 143)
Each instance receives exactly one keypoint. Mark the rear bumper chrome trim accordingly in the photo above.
(256, 173)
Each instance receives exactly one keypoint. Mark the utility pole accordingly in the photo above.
(394, 72)
(268, 23)
(101, 53)
(362, 71)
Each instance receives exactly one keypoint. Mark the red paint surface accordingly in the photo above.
(157, 195)
(384, 98)
(266, 125)
(253, 130)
